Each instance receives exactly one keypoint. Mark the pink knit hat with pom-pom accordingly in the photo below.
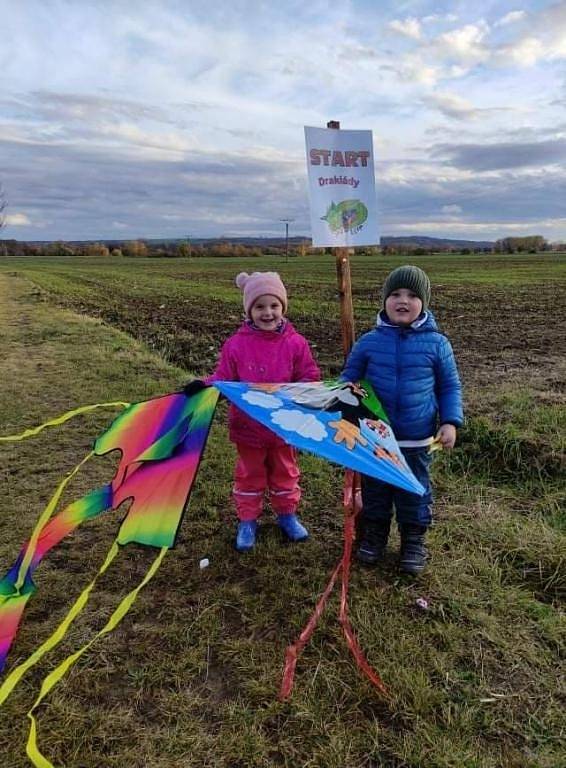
(258, 284)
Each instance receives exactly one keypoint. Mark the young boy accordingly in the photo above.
(412, 369)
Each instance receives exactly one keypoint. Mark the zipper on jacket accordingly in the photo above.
(397, 370)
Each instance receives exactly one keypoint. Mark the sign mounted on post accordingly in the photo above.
(341, 187)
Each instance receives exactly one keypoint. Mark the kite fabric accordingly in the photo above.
(342, 422)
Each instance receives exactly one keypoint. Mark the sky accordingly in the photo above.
(178, 118)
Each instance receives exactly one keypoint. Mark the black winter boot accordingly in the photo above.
(373, 541)
(413, 550)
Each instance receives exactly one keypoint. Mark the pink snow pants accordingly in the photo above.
(273, 469)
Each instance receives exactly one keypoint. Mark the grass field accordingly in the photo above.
(190, 678)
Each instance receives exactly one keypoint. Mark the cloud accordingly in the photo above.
(85, 107)
(452, 106)
(505, 43)
(544, 41)
(510, 18)
(465, 44)
(305, 425)
(436, 17)
(413, 69)
(488, 157)
(457, 108)
(262, 399)
(526, 52)
(451, 210)
(409, 27)
(17, 220)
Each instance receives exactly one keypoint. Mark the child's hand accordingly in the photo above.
(446, 435)
(193, 387)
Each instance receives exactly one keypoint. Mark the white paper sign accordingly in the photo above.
(341, 187)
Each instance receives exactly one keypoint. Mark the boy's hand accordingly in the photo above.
(446, 435)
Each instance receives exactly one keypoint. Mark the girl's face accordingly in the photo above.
(266, 312)
(403, 306)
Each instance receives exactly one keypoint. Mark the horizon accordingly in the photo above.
(295, 239)
(159, 124)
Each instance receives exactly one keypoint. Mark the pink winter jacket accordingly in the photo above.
(262, 357)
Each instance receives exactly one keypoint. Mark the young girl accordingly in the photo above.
(265, 349)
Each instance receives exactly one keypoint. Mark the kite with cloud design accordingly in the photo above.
(339, 422)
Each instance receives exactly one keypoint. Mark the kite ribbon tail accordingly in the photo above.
(352, 495)
(60, 420)
(350, 515)
(55, 638)
(293, 651)
(43, 519)
(58, 673)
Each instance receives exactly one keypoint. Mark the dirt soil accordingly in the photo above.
(500, 336)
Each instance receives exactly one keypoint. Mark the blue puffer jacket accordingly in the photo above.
(413, 372)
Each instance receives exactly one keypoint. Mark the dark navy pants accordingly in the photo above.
(379, 498)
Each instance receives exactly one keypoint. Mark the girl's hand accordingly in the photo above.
(446, 435)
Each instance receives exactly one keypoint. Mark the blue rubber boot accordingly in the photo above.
(245, 537)
(292, 527)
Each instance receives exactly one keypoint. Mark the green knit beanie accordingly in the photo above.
(411, 278)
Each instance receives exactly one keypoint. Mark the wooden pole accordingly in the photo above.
(345, 293)
(344, 285)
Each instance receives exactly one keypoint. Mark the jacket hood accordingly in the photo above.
(426, 321)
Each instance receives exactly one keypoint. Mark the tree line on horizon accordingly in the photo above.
(226, 249)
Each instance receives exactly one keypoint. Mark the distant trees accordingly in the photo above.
(135, 249)
(404, 249)
(96, 249)
(224, 248)
(184, 249)
(529, 244)
(58, 248)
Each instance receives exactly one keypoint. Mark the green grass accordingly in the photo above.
(191, 676)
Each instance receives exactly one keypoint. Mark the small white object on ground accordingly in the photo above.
(204, 563)
(422, 603)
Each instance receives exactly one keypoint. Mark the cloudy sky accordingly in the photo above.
(178, 117)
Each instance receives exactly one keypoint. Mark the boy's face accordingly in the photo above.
(403, 306)
(266, 312)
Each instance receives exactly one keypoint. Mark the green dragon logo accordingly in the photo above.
(347, 216)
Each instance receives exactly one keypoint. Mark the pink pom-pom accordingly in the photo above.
(242, 279)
